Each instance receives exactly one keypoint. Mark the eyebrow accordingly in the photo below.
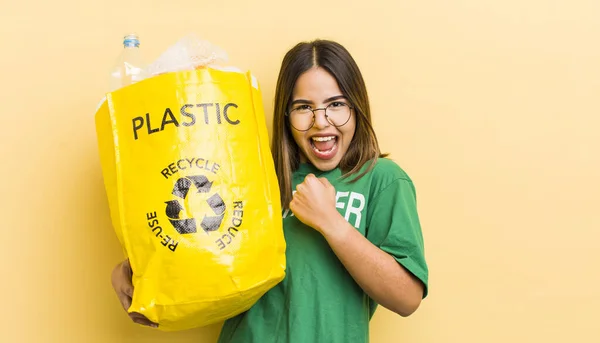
(308, 102)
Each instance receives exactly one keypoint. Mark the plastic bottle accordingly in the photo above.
(129, 67)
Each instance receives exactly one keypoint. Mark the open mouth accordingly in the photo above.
(324, 147)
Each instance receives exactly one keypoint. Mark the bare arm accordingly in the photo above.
(375, 271)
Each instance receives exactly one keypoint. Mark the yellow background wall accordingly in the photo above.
(491, 106)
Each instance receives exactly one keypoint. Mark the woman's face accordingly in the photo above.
(323, 144)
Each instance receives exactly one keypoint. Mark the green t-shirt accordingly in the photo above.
(318, 301)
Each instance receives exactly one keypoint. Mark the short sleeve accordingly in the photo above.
(393, 225)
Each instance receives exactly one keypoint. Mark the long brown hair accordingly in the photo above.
(335, 59)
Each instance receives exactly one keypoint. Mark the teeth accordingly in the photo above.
(323, 152)
(323, 139)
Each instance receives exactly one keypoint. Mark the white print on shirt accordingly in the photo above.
(352, 202)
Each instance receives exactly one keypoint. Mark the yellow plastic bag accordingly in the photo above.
(193, 195)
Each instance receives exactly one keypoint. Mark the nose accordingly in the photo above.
(321, 121)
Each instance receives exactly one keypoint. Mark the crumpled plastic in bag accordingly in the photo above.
(189, 53)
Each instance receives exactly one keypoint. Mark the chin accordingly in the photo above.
(324, 165)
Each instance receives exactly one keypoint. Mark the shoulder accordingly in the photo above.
(387, 177)
(386, 169)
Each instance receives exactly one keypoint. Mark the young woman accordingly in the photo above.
(350, 218)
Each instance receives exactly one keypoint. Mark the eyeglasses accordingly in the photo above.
(302, 118)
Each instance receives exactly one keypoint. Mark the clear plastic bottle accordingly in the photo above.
(129, 67)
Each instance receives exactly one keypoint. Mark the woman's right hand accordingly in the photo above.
(121, 282)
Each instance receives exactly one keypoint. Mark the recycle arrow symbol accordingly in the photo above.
(182, 186)
(181, 189)
(182, 226)
(218, 206)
